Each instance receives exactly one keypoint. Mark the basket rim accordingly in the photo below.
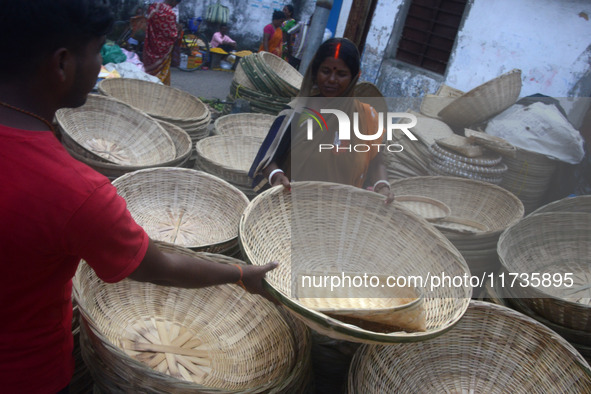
(102, 84)
(334, 325)
(223, 139)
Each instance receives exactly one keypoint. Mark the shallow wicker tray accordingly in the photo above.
(433, 103)
(215, 339)
(325, 227)
(180, 138)
(491, 142)
(184, 207)
(249, 124)
(479, 202)
(555, 243)
(161, 101)
(428, 208)
(484, 101)
(493, 349)
(112, 131)
(287, 78)
(228, 157)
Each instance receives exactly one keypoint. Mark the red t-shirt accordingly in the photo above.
(54, 211)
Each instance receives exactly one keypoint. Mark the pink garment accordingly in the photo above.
(218, 40)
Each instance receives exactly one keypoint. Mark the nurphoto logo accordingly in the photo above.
(343, 133)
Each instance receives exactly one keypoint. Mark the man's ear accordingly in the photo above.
(62, 64)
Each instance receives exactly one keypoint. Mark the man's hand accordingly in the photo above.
(253, 276)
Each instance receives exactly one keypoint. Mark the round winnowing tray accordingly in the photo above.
(428, 208)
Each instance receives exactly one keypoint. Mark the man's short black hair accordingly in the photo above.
(32, 29)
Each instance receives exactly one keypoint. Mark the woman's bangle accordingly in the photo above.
(275, 171)
(381, 182)
(239, 282)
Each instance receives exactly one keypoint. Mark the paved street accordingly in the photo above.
(208, 84)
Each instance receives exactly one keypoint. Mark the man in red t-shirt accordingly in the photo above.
(55, 210)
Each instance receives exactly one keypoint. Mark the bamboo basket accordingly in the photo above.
(184, 207)
(427, 208)
(555, 243)
(323, 228)
(248, 124)
(493, 349)
(569, 204)
(111, 131)
(217, 339)
(228, 157)
(484, 101)
(287, 78)
(480, 211)
(161, 102)
(180, 138)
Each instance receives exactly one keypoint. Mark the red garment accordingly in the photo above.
(161, 34)
(55, 210)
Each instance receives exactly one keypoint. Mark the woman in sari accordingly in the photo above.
(273, 35)
(161, 34)
(289, 153)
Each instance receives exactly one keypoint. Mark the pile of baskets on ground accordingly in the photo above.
(416, 337)
(266, 81)
(452, 143)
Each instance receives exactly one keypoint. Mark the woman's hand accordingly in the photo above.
(281, 179)
(384, 190)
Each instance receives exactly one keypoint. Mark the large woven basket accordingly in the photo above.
(555, 246)
(228, 157)
(433, 103)
(249, 124)
(484, 101)
(161, 102)
(112, 131)
(330, 229)
(184, 207)
(216, 339)
(180, 138)
(480, 211)
(493, 349)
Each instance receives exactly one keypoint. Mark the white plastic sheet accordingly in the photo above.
(539, 128)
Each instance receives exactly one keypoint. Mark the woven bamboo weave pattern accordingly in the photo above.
(183, 206)
(228, 157)
(114, 132)
(180, 138)
(249, 124)
(493, 349)
(326, 228)
(554, 243)
(140, 337)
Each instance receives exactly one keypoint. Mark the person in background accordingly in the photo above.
(273, 35)
(299, 33)
(162, 32)
(56, 210)
(221, 40)
(289, 23)
(286, 152)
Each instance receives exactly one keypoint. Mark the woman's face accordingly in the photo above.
(333, 77)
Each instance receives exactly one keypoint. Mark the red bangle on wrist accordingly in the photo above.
(239, 282)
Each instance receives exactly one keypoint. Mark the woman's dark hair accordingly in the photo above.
(290, 9)
(278, 15)
(339, 48)
(49, 24)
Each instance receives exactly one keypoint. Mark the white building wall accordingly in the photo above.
(549, 40)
